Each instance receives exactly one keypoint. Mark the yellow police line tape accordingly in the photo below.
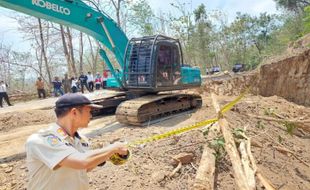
(117, 159)
(226, 108)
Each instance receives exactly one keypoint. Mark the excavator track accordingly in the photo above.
(143, 110)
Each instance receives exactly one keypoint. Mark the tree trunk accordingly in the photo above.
(94, 56)
(117, 6)
(64, 44)
(70, 50)
(97, 56)
(40, 60)
(44, 53)
(81, 52)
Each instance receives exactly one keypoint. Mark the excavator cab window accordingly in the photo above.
(168, 65)
(153, 64)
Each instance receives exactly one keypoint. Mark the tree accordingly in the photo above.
(201, 37)
(293, 5)
(70, 65)
(142, 17)
(94, 55)
(182, 28)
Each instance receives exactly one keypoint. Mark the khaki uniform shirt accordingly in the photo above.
(40, 84)
(45, 150)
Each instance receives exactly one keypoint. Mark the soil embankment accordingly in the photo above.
(288, 78)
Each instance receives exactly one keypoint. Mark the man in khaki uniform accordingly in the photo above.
(40, 88)
(58, 157)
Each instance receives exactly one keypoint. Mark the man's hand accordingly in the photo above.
(119, 148)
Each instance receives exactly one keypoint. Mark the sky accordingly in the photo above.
(253, 7)
(9, 34)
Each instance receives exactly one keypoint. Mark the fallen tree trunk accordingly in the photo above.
(231, 149)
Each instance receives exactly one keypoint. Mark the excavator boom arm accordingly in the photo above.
(77, 14)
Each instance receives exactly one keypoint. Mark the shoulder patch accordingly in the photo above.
(53, 140)
(61, 132)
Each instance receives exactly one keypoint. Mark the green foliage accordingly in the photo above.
(306, 20)
(201, 36)
(238, 133)
(280, 139)
(260, 125)
(142, 17)
(269, 111)
(218, 145)
(289, 127)
(293, 5)
(206, 132)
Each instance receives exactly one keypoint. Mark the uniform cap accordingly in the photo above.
(74, 100)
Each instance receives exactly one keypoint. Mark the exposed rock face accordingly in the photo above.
(288, 78)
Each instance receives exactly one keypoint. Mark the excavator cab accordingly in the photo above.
(155, 63)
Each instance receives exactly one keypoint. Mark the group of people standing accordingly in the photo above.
(89, 82)
(73, 84)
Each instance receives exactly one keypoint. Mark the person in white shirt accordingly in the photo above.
(74, 84)
(90, 81)
(3, 94)
(59, 157)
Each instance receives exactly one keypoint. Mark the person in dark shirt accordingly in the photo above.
(57, 86)
(83, 82)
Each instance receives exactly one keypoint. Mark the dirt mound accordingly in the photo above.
(14, 120)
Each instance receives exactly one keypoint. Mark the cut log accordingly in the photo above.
(231, 149)
(248, 171)
(205, 175)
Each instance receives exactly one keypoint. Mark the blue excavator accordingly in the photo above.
(151, 71)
